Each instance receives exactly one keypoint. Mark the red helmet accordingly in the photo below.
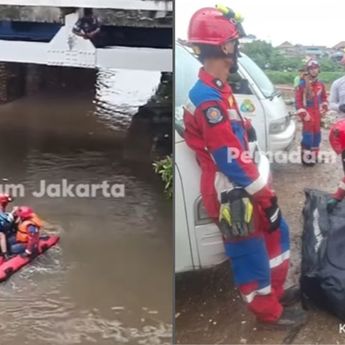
(312, 64)
(209, 26)
(24, 212)
(5, 199)
(337, 136)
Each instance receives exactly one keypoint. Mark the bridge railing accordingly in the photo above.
(68, 49)
(148, 5)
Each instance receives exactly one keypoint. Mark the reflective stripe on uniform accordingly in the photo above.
(222, 184)
(256, 186)
(278, 260)
(190, 107)
(274, 217)
(249, 298)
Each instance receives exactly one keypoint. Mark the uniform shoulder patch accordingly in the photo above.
(213, 115)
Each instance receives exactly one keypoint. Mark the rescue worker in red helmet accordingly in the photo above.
(337, 141)
(5, 199)
(311, 105)
(258, 246)
(28, 229)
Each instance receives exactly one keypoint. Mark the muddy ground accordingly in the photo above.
(208, 307)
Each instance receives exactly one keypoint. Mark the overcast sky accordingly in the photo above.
(297, 21)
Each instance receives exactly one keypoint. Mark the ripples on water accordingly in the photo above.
(109, 280)
(120, 93)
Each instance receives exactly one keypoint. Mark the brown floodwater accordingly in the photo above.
(109, 281)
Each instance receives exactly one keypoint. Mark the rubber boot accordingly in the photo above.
(291, 318)
(291, 296)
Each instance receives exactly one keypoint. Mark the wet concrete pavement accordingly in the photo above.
(208, 307)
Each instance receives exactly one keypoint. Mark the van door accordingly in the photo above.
(250, 106)
(183, 256)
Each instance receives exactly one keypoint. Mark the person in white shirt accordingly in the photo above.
(337, 96)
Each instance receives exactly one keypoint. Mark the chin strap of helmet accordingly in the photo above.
(236, 52)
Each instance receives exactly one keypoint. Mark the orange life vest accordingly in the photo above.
(22, 233)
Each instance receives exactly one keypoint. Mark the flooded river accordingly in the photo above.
(110, 279)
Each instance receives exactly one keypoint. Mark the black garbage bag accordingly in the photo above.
(323, 254)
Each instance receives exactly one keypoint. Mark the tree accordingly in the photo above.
(329, 65)
(259, 51)
(265, 55)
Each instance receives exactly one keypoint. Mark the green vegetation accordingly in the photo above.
(282, 69)
(164, 168)
(287, 77)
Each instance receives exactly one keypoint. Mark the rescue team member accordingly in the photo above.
(337, 94)
(88, 26)
(28, 229)
(257, 244)
(337, 141)
(311, 104)
(6, 223)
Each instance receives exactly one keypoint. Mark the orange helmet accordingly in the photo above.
(337, 136)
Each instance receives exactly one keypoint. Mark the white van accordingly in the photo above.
(198, 242)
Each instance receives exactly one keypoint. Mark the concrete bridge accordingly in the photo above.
(67, 49)
(30, 50)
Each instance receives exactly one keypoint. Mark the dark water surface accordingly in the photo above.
(110, 279)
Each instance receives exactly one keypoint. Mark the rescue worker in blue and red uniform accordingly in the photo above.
(6, 224)
(337, 141)
(311, 105)
(216, 131)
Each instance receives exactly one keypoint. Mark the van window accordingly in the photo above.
(186, 75)
(259, 77)
(239, 85)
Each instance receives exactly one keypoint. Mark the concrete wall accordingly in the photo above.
(3, 83)
(67, 78)
(12, 81)
(18, 80)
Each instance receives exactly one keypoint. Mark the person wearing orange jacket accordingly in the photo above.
(28, 230)
(311, 104)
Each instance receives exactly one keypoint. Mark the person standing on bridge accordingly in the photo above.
(236, 196)
(88, 26)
